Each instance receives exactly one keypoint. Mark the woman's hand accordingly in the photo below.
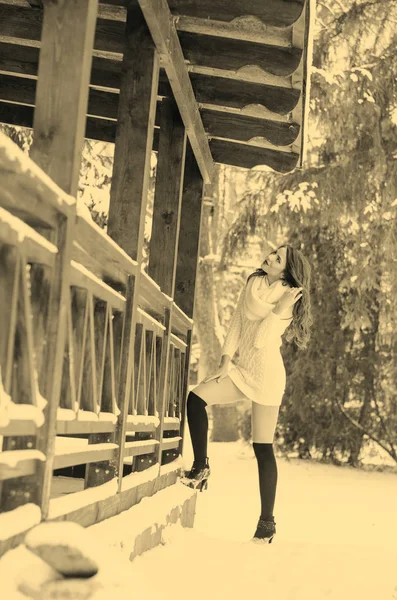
(288, 299)
(219, 374)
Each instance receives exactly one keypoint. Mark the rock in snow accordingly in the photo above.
(22, 570)
(66, 547)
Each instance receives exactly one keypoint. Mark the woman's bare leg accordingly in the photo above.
(224, 392)
(264, 421)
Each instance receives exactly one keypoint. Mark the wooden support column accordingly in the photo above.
(130, 183)
(187, 260)
(134, 137)
(168, 197)
(59, 126)
(62, 89)
(165, 230)
(189, 237)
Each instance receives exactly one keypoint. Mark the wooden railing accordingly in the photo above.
(64, 282)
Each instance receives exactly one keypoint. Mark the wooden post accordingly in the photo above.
(165, 231)
(59, 126)
(187, 261)
(134, 137)
(189, 238)
(62, 89)
(167, 198)
(131, 174)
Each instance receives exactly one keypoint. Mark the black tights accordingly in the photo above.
(264, 453)
(198, 427)
(267, 470)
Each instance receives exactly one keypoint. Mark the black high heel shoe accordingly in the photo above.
(197, 477)
(265, 531)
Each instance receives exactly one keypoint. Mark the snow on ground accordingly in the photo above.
(336, 536)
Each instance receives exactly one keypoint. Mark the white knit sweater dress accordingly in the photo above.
(259, 372)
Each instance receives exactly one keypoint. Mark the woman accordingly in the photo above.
(276, 297)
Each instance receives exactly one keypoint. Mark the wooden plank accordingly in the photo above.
(162, 29)
(143, 426)
(185, 386)
(177, 342)
(134, 138)
(81, 277)
(245, 28)
(272, 12)
(124, 338)
(83, 456)
(188, 248)
(26, 191)
(151, 298)
(248, 156)
(149, 323)
(96, 128)
(66, 427)
(245, 128)
(169, 443)
(101, 103)
(35, 247)
(95, 241)
(229, 54)
(140, 447)
(167, 198)
(218, 91)
(26, 24)
(99, 472)
(62, 89)
(16, 467)
(17, 427)
(23, 60)
(163, 387)
(181, 323)
(222, 91)
(139, 383)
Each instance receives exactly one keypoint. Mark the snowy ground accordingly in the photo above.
(336, 537)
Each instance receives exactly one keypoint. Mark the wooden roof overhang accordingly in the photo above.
(238, 70)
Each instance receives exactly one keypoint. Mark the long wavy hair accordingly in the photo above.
(297, 273)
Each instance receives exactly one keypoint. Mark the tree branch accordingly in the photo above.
(391, 452)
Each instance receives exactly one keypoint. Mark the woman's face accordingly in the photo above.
(275, 263)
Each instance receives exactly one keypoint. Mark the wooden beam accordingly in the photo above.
(243, 128)
(167, 199)
(232, 55)
(238, 94)
(219, 91)
(189, 236)
(162, 29)
(22, 90)
(24, 60)
(248, 29)
(103, 130)
(247, 156)
(62, 90)
(134, 139)
(277, 13)
(26, 24)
